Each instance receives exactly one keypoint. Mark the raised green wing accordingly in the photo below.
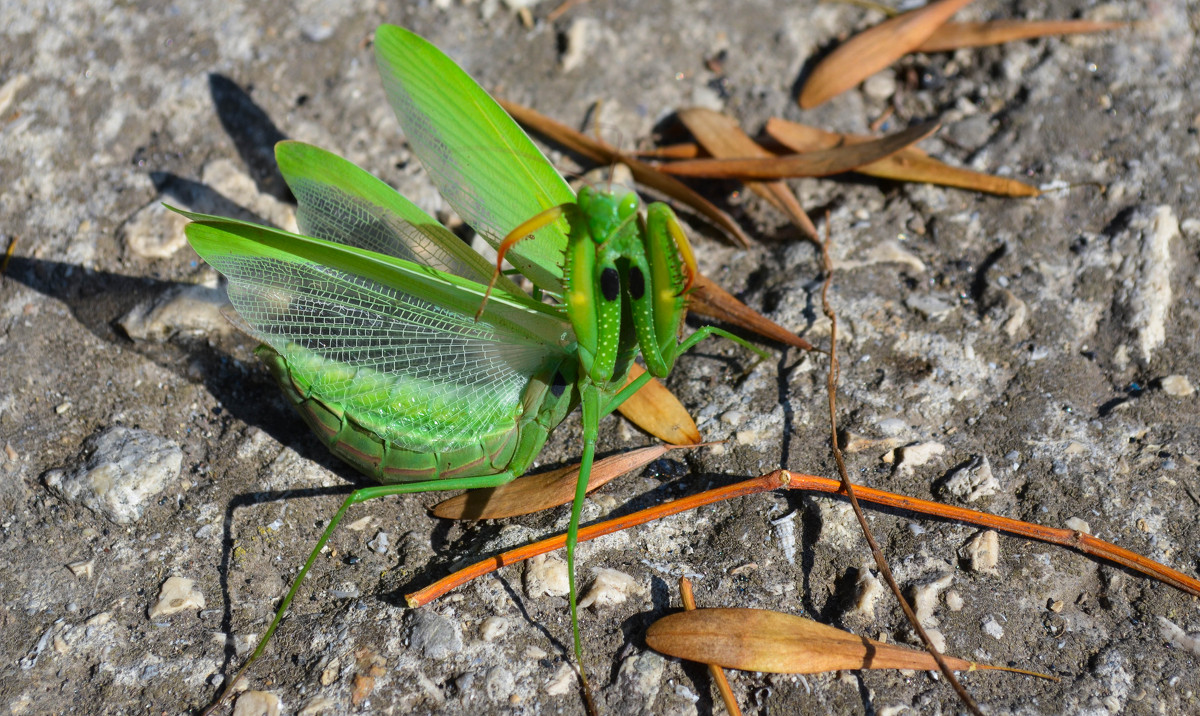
(341, 203)
(389, 339)
(484, 165)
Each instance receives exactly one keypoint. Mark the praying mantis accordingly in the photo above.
(411, 356)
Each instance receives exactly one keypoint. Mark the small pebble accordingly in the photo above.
(1177, 385)
(639, 680)
(1177, 637)
(188, 309)
(870, 589)
(258, 703)
(379, 545)
(925, 597)
(913, 456)
(331, 672)
(493, 628)
(178, 594)
(931, 308)
(83, 568)
(610, 587)
(546, 575)
(785, 535)
(1079, 525)
(982, 552)
(880, 86)
(126, 470)
(974, 480)
(434, 635)
(498, 684)
(992, 628)
(954, 600)
(563, 682)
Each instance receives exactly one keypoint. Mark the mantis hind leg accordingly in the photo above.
(354, 498)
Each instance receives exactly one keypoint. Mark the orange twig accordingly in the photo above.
(1073, 539)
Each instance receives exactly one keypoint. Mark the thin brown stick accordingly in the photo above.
(848, 487)
(1071, 539)
(718, 674)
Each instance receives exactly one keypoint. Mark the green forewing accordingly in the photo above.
(381, 337)
(341, 203)
(483, 164)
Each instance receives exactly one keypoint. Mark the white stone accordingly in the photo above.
(982, 552)
(258, 703)
(546, 575)
(610, 587)
(1177, 385)
(126, 470)
(493, 628)
(178, 594)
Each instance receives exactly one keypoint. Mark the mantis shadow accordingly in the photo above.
(253, 132)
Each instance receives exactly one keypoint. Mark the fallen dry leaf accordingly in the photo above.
(684, 150)
(874, 49)
(656, 410)
(817, 163)
(723, 138)
(709, 299)
(909, 164)
(776, 643)
(956, 35)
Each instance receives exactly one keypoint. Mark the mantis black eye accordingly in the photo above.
(610, 284)
(637, 283)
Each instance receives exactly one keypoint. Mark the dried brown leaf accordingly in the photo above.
(709, 299)
(909, 164)
(656, 410)
(684, 150)
(956, 35)
(762, 640)
(819, 163)
(533, 493)
(644, 173)
(874, 49)
(723, 138)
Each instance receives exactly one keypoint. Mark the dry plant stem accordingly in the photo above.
(723, 138)
(718, 674)
(763, 483)
(848, 487)
(1072, 539)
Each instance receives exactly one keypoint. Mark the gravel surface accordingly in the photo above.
(1034, 358)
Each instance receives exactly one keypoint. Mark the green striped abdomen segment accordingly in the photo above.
(352, 430)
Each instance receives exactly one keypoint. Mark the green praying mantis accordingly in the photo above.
(411, 356)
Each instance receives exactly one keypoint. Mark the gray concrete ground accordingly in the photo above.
(1036, 355)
